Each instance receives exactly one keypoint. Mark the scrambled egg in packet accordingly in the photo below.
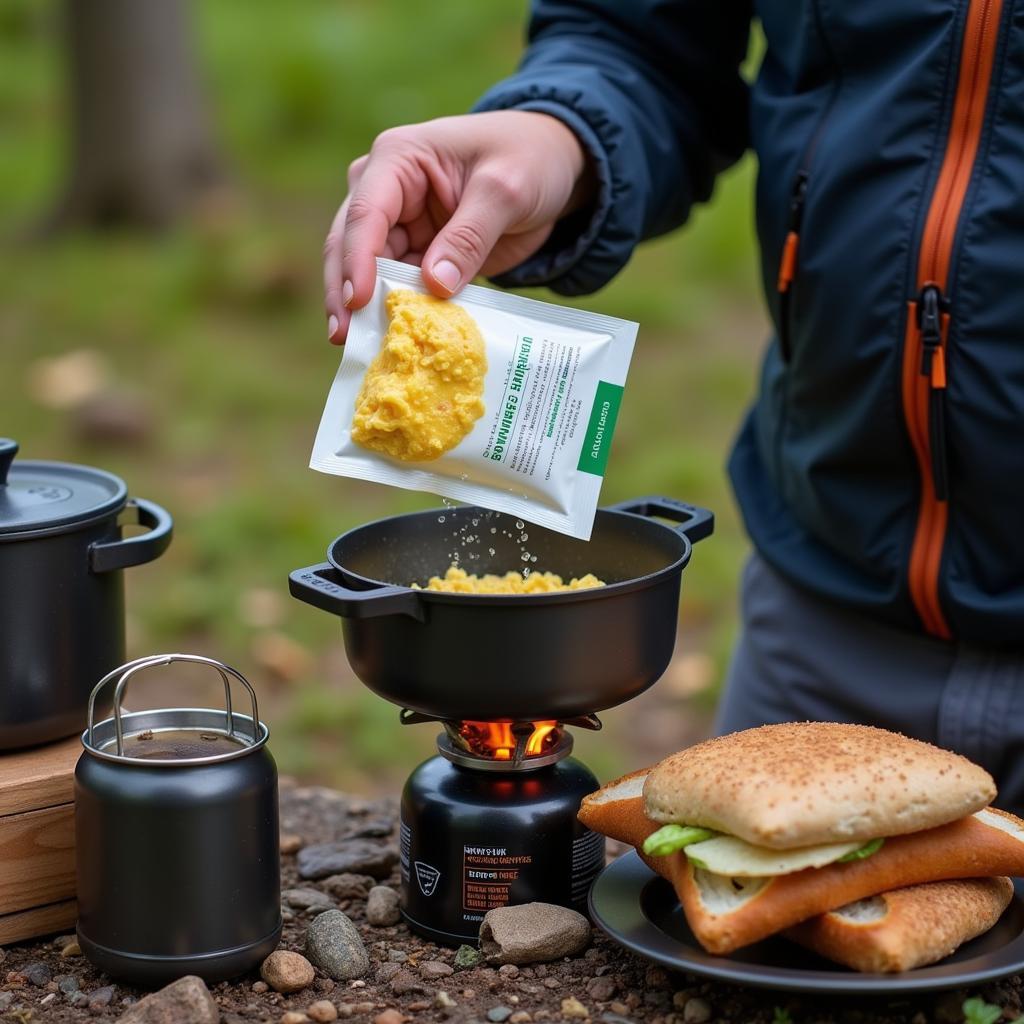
(488, 398)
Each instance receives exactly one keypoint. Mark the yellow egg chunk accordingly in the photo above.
(424, 390)
(458, 581)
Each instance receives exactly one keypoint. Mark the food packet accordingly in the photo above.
(487, 398)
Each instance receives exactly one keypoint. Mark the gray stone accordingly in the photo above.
(307, 899)
(334, 945)
(67, 983)
(532, 932)
(382, 907)
(499, 1014)
(359, 856)
(101, 998)
(375, 828)
(601, 989)
(6, 998)
(467, 956)
(37, 973)
(348, 886)
(397, 956)
(386, 972)
(185, 1001)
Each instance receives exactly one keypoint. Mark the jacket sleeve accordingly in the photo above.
(653, 91)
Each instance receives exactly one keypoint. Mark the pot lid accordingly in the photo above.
(45, 496)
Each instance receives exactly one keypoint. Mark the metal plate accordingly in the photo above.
(639, 910)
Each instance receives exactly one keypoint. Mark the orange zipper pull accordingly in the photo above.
(787, 266)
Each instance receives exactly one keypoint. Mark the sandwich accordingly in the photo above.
(764, 829)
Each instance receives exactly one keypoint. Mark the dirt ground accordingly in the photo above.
(605, 984)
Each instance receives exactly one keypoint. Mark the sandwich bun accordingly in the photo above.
(810, 783)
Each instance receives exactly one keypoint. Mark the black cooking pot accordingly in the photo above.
(508, 657)
(62, 589)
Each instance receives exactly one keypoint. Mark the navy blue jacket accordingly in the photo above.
(883, 463)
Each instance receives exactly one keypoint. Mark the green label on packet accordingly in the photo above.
(598, 439)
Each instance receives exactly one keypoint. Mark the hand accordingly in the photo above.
(456, 196)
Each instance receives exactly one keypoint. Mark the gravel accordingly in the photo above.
(436, 985)
(333, 944)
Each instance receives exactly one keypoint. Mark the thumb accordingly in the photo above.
(488, 207)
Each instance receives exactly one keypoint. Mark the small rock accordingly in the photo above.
(382, 907)
(347, 886)
(6, 998)
(101, 998)
(508, 971)
(37, 973)
(406, 983)
(290, 843)
(552, 983)
(601, 989)
(67, 983)
(435, 969)
(46, 1000)
(573, 1009)
(520, 1017)
(187, 999)
(286, 971)
(359, 856)
(293, 1017)
(389, 1017)
(417, 1005)
(307, 899)
(334, 945)
(443, 1001)
(322, 1011)
(397, 956)
(620, 1008)
(533, 932)
(78, 999)
(656, 977)
(72, 949)
(499, 1014)
(696, 1011)
(467, 956)
(617, 1018)
(387, 971)
(259, 987)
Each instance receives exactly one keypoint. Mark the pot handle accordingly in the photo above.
(695, 523)
(121, 554)
(317, 585)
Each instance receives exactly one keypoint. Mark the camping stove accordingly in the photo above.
(491, 821)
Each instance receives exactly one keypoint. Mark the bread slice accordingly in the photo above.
(906, 928)
(807, 783)
(726, 915)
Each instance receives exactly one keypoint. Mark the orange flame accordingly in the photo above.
(497, 740)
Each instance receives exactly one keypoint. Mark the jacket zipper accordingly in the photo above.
(790, 249)
(925, 356)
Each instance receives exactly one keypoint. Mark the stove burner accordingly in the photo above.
(453, 745)
(503, 746)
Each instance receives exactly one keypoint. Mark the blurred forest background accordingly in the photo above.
(169, 171)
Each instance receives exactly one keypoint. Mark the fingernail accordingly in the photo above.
(447, 275)
(346, 293)
(332, 326)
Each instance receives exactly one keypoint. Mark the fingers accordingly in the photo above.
(490, 204)
(334, 304)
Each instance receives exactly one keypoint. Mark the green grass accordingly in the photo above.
(218, 328)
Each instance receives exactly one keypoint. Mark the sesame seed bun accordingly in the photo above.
(805, 783)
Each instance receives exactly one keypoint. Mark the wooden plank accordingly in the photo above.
(41, 777)
(37, 858)
(28, 924)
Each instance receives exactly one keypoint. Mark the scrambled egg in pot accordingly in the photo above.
(458, 581)
(424, 391)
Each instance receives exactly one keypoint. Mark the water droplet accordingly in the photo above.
(440, 519)
(520, 525)
(525, 556)
(494, 529)
(523, 538)
(475, 522)
(533, 558)
(490, 551)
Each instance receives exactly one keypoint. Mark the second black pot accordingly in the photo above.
(509, 657)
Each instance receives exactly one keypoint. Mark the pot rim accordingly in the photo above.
(174, 720)
(557, 597)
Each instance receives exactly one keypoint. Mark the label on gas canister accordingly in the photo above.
(452, 887)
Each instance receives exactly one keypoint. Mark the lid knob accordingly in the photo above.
(8, 449)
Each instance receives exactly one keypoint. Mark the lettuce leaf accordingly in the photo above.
(670, 838)
(863, 852)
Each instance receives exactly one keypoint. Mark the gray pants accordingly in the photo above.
(800, 658)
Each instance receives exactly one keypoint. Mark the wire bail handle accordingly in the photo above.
(126, 671)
